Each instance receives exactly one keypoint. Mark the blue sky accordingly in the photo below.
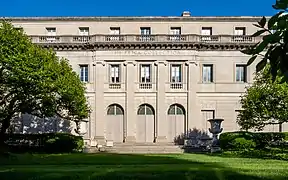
(135, 7)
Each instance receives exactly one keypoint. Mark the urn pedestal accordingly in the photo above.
(215, 130)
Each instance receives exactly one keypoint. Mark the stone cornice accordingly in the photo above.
(148, 46)
(143, 18)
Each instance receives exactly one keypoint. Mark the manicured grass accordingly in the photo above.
(117, 167)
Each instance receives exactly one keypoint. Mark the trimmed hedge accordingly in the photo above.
(246, 140)
(44, 143)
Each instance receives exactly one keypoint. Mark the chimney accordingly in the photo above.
(186, 14)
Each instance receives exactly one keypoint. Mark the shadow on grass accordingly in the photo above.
(121, 166)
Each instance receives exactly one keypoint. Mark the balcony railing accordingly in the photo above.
(145, 38)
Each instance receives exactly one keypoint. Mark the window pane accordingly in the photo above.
(149, 111)
(171, 110)
(240, 73)
(179, 111)
(110, 110)
(118, 110)
(141, 110)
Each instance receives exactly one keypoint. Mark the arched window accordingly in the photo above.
(176, 109)
(115, 109)
(145, 109)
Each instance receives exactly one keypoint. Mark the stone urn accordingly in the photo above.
(215, 130)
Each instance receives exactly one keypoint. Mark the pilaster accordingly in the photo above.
(99, 99)
(193, 108)
(161, 120)
(130, 105)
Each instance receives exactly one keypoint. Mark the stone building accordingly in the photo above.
(152, 79)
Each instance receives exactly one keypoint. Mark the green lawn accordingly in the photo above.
(116, 167)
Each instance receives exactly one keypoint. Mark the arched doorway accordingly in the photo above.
(115, 123)
(145, 124)
(176, 122)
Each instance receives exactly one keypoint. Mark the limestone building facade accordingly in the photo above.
(151, 79)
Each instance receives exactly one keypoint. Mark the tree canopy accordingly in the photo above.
(34, 80)
(274, 45)
(264, 101)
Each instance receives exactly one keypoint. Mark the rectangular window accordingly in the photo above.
(206, 31)
(145, 73)
(145, 31)
(175, 31)
(176, 73)
(207, 73)
(51, 31)
(84, 31)
(240, 31)
(241, 73)
(84, 73)
(115, 30)
(115, 73)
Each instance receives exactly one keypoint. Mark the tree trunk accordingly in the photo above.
(4, 127)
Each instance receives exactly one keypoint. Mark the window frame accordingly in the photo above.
(180, 73)
(113, 66)
(83, 79)
(211, 73)
(150, 73)
(244, 66)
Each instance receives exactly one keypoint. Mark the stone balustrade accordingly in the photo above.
(191, 38)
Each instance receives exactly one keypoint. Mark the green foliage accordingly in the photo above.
(263, 101)
(248, 140)
(35, 81)
(48, 143)
(243, 144)
(273, 47)
(226, 139)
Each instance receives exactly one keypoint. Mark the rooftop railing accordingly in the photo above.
(144, 39)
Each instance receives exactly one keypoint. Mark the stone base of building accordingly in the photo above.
(130, 139)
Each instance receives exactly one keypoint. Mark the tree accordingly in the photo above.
(264, 101)
(35, 81)
(274, 45)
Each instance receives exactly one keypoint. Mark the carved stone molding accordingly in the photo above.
(129, 62)
(149, 46)
(160, 62)
(191, 63)
(100, 62)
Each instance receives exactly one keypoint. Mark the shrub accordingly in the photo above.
(227, 138)
(241, 143)
(261, 140)
(44, 143)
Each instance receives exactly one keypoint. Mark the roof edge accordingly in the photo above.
(136, 18)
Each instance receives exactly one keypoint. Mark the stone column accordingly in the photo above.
(193, 112)
(99, 106)
(130, 115)
(161, 112)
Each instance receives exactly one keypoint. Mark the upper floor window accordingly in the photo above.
(145, 30)
(207, 73)
(115, 73)
(240, 31)
(206, 31)
(241, 73)
(176, 73)
(175, 33)
(115, 30)
(84, 31)
(51, 31)
(145, 73)
(175, 30)
(84, 73)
